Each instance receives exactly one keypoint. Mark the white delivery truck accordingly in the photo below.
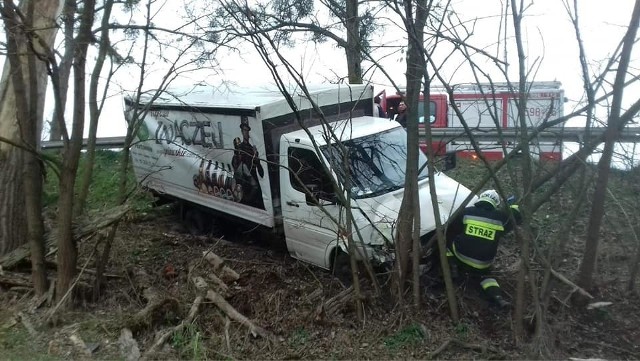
(246, 155)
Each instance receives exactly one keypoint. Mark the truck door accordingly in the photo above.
(308, 229)
(437, 119)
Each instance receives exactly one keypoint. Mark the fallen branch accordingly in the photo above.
(165, 335)
(81, 231)
(574, 286)
(482, 348)
(223, 305)
(11, 279)
(331, 307)
(564, 279)
(54, 265)
(219, 284)
(227, 323)
(224, 272)
(156, 301)
(79, 344)
(201, 284)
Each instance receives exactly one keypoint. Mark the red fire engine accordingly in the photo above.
(484, 107)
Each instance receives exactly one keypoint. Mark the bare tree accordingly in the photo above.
(350, 24)
(30, 31)
(96, 103)
(414, 16)
(67, 248)
(615, 123)
(537, 187)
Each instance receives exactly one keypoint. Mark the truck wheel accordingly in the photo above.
(196, 222)
(342, 268)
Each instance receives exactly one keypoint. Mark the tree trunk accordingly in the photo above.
(588, 264)
(33, 173)
(353, 50)
(517, 15)
(58, 128)
(417, 61)
(12, 214)
(407, 215)
(22, 105)
(95, 108)
(67, 250)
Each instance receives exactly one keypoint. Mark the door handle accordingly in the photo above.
(294, 204)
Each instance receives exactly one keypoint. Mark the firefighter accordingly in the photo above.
(474, 248)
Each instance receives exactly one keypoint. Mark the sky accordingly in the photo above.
(549, 39)
(549, 43)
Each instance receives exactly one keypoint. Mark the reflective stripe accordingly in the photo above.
(449, 254)
(477, 264)
(489, 282)
(479, 231)
(484, 222)
(482, 227)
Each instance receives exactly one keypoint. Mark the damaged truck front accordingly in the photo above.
(291, 165)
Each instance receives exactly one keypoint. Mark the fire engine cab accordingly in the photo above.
(484, 108)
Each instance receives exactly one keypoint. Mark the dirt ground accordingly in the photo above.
(282, 296)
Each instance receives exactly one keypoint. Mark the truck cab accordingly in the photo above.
(367, 166)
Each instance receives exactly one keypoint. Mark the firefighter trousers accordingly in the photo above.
(488, 286)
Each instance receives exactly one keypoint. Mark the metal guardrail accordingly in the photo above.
(566, 134)
(101, 143)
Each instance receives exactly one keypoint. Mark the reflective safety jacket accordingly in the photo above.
(482, 227)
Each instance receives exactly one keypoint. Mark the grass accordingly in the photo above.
(104, 185)
(17, 344)
(462, 330)
(299, 337)
(411, 335)
(189, 343)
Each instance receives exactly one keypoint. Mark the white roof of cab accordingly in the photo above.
(345, 129)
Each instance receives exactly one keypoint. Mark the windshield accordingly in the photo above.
(376, 163)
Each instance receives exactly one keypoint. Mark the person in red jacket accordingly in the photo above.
(474, 249)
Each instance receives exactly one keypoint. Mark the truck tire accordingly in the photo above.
(342, 267)
(196, 222)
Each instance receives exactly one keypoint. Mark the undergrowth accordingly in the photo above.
(104, 184)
